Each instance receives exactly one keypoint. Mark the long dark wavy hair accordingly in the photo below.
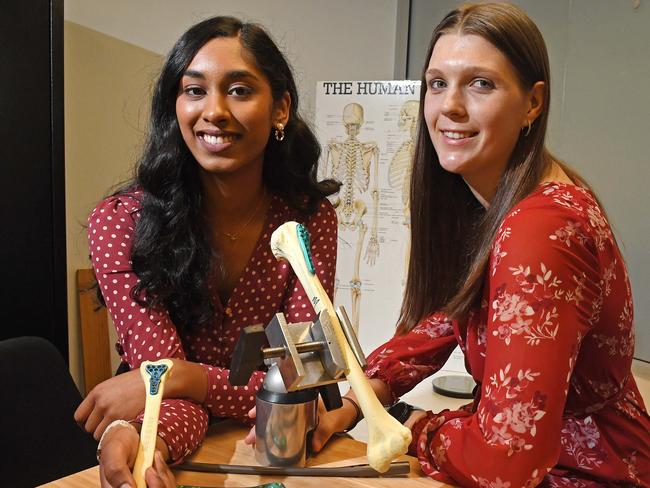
(451, 234)
(171, 253)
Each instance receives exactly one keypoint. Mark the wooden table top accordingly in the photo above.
(224, 444)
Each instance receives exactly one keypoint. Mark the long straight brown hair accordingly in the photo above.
(451, 234)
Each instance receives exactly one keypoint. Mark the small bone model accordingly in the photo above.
(154, 375)
(387, 438)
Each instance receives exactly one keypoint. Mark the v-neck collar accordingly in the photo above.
(261, 242)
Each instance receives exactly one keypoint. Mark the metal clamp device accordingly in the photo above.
(304, 360)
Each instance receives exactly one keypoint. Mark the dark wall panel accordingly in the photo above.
(32, 192)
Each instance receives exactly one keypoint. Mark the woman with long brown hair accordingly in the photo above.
(513, 258)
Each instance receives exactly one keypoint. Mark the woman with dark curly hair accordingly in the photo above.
(181, 254)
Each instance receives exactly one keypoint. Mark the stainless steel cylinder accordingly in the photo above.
(283, 424)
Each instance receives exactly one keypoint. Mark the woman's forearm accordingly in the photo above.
(380, 388)
(187, 380)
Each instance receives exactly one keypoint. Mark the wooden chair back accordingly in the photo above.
(93, 319)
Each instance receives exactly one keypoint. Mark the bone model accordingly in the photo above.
(154, 375)
(387, 438)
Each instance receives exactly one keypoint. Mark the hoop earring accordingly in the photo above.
(279, 132)
(527, 131)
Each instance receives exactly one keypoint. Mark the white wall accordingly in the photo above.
(324, 40)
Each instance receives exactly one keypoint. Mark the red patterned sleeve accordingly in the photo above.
(407, 359)
(541, 296)
(226, 400)
(143, 334)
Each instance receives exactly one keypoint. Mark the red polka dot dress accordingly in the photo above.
(265, 287)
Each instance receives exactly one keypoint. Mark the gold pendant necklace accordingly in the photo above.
(235, 235)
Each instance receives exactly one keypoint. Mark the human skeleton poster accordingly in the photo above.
(367, 131)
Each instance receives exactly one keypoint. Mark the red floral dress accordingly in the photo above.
(265, 288)
(551, 348)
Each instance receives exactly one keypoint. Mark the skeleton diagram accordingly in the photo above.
(401, 166)
(352, 162)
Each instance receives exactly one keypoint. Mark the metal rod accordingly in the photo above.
(355, 471)
(274, 352)
(309, 346)
(351, 336)
(281, 351)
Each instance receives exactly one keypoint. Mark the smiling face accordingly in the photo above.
(475, 108)
(225, 108)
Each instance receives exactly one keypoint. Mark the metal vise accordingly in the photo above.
(304, 359)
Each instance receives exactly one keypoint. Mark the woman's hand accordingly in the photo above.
(123, 396)
(119, 450)
(250, 437)
(159, 475)
(414, 417)
(120, 397)
(331, 422)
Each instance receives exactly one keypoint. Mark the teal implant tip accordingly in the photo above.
(303, 238)
(155, 371)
